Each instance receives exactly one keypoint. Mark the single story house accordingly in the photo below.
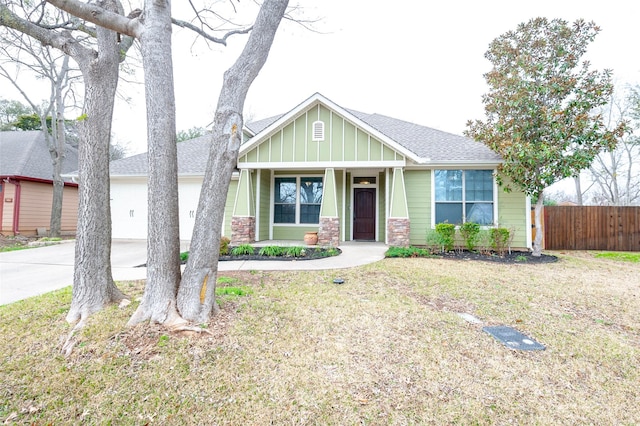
(345, 174)
(26, 185)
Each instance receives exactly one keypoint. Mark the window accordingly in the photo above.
(464, 196)
(297, 200)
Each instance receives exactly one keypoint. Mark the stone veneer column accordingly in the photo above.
(329, 232)
(243, 229)
(398, 231)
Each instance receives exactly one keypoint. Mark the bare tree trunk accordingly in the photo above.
(537, 243)
(201, 270)
(163, 251)
(57, 151)
(576, 180)
(93, 286)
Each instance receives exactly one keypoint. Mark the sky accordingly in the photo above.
(417, 61)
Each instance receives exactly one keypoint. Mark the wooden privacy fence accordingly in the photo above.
(592, 228)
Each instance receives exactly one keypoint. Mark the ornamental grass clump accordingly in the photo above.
(243, 249)
(271, 251)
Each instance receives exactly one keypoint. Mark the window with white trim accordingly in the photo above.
(464, 196)
(297, 200)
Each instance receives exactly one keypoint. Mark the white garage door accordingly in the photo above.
(188, 194)
(129, 210)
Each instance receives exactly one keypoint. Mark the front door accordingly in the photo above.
(364, 214)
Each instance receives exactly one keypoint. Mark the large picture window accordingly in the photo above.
(464, 196)
(297, 200)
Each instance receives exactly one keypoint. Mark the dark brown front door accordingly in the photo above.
(364, 214)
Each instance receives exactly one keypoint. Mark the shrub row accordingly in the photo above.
(469, 236)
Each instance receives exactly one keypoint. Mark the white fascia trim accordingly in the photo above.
(322, 165)
(454, 165)
(318, 98)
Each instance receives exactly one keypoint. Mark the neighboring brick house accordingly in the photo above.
(345, 174)
(26, 185)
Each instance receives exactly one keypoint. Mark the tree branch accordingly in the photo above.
(99, 16)
(202, 33)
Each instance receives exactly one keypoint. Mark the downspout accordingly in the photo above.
(16, 206)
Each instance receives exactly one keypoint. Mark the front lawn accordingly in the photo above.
(386, 347)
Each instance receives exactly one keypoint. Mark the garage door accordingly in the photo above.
(129, 210)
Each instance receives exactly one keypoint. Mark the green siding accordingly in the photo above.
(263, 152)
(362, 146)
(252, 156)
(312, 147)
(512, 214)
(292, 232)
(276, 147)
(264, 208)
(388, 154)
(245, 199)
(375, 153)
(337, 127)
(300, 136)
(228, 208)
(287, 143)
(343, 141)
(398, 204)
(418, 184)
(349, 150)
(325, 146)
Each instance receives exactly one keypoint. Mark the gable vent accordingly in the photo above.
(318, 131)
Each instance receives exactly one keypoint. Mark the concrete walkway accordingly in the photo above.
(31, 272)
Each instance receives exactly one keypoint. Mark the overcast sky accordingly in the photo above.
(417, 61)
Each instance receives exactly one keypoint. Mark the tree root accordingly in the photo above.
(70, 342)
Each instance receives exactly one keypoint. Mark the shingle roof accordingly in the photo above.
(433, 145)
(425, 142)
(192, 159)
(26, 154)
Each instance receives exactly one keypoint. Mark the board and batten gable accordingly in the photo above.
(344, 142)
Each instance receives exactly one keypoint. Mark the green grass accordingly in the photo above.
(621, 256)
(385, 348)
(14, 248)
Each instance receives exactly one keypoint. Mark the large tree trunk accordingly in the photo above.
(200, 272)
(537, 243)
(163, 251)
(93, 286)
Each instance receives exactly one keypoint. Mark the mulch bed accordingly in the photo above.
(522, 257)
(311, 253)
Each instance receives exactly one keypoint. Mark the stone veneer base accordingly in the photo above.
(329, 231)
(398, 232)
(243, 230)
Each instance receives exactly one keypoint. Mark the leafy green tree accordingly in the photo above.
(192, 133)
(539, 108)
(10, 111)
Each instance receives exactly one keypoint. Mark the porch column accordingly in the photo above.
(398, 220)
(243, 221)
(329, 229)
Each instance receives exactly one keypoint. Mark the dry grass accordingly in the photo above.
(387, 347)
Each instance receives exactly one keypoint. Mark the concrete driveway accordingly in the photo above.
(31, 272)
